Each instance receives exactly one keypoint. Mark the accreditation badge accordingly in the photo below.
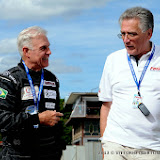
(136, 101)
(31, 110)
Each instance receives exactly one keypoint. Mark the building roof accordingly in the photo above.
(79, 111)
(74, 95)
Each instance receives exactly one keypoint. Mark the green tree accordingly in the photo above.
(67, 136)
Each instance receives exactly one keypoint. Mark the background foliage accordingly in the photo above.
(67, 135)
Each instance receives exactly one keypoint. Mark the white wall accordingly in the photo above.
(90, 151)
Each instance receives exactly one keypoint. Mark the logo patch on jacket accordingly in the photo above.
(26, 92)
(49, 83)
(50, 105)
(3, 93)
(50, 94)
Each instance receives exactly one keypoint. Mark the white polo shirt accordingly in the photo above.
(126, 124)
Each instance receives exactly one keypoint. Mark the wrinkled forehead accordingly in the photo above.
(131, 23)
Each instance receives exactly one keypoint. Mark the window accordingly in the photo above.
(91, 127)
(93, 107)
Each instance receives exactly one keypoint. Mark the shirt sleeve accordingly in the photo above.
(105, 93)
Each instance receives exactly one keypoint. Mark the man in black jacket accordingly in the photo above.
(29, 103)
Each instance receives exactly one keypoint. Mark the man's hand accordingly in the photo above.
(49, 118)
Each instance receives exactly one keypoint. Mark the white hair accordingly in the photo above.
(144, 15)
(25, 37)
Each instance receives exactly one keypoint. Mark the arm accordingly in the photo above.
(103, 116)
(12, 114)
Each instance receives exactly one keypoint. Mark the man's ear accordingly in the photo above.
(149, 33)
(26, 51)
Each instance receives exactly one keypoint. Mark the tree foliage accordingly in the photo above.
(67, 130)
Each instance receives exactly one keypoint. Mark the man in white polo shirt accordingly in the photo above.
(130, 92)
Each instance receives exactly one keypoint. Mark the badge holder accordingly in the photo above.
(32, 110)
(137, 103)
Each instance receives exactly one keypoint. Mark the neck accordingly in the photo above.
(32, 66)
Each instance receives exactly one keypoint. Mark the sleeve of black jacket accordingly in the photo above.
(11, 115)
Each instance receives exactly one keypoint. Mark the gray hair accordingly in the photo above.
(144, 15)
(25, 37)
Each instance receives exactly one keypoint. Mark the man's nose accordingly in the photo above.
(125, 38)
(48, 51)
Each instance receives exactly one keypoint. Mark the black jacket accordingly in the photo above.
(20, 139)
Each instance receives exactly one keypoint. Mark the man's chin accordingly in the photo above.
(131, 52)
(46, 65)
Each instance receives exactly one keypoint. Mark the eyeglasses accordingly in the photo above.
(130, 35)
(42, 48)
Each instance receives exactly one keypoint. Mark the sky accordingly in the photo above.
(82, 33)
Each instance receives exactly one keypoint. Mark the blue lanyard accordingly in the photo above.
(36, 101)
(144, 69)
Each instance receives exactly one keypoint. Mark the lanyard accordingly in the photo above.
(144, 69)
(36, 101)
